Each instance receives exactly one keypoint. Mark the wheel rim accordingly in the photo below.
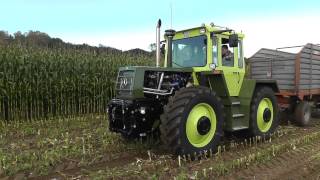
(201, 125)
(265, 115)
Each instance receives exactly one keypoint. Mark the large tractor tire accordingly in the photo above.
(302, 114)
(192, 121)
(264, 112)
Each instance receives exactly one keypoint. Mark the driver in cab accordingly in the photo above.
(227, 56)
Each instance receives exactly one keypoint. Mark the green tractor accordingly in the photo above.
(199, 94)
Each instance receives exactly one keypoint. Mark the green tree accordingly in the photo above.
(153, 47)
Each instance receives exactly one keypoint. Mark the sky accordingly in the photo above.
(127, 24)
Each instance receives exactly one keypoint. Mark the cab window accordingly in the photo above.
(189, 52)
(214, 51)
(227, 55)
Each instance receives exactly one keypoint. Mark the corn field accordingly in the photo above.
(41, 83)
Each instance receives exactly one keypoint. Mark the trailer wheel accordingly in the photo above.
(316, 110)
(264, 112)
(302, 114)
(192, 121)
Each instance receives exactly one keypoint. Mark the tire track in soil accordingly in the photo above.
(295, 164)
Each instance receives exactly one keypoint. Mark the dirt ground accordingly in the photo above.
(301, 163)
(291, 153)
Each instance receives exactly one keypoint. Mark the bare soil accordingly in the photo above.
(297, 157)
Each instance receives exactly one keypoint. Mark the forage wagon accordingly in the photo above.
(297, 76)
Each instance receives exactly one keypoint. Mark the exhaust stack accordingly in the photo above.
(169, 34)
(158, 44)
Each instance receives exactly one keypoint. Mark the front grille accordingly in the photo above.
(125, 80)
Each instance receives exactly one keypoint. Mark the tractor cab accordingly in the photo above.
(208, 49)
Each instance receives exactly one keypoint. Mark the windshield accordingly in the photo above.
(189, 52)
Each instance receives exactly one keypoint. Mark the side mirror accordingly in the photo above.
(233, 40)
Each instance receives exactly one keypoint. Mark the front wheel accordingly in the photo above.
(264, 112)
(192, 121)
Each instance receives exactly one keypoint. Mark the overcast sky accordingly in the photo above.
(126, 24)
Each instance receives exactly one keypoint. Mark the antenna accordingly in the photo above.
(171, 13)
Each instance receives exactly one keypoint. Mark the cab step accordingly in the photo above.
(237, 115)
(240, 128)
(235, 103)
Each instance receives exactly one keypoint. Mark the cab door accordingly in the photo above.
(233, 71)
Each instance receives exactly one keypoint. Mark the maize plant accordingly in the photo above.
(41, 83)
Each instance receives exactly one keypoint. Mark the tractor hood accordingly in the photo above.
(131, 80)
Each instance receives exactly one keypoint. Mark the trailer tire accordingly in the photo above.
(302, 114)
(316, 110)
(264, 114)
(192, 122)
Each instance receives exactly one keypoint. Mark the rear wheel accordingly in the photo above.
(192, 121)
(264, 112)
(302, 113)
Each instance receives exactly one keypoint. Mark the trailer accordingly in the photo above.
(297, 76)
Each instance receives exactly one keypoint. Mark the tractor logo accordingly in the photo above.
(123, 82)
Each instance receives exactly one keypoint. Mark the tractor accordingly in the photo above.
(197, 96)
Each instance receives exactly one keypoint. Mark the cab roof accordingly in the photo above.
(210, 29)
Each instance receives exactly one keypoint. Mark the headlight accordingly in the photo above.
(202, 30)
(142, 110)
(212, 66)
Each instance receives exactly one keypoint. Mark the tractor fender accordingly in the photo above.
(269, 83)
(250, 85)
